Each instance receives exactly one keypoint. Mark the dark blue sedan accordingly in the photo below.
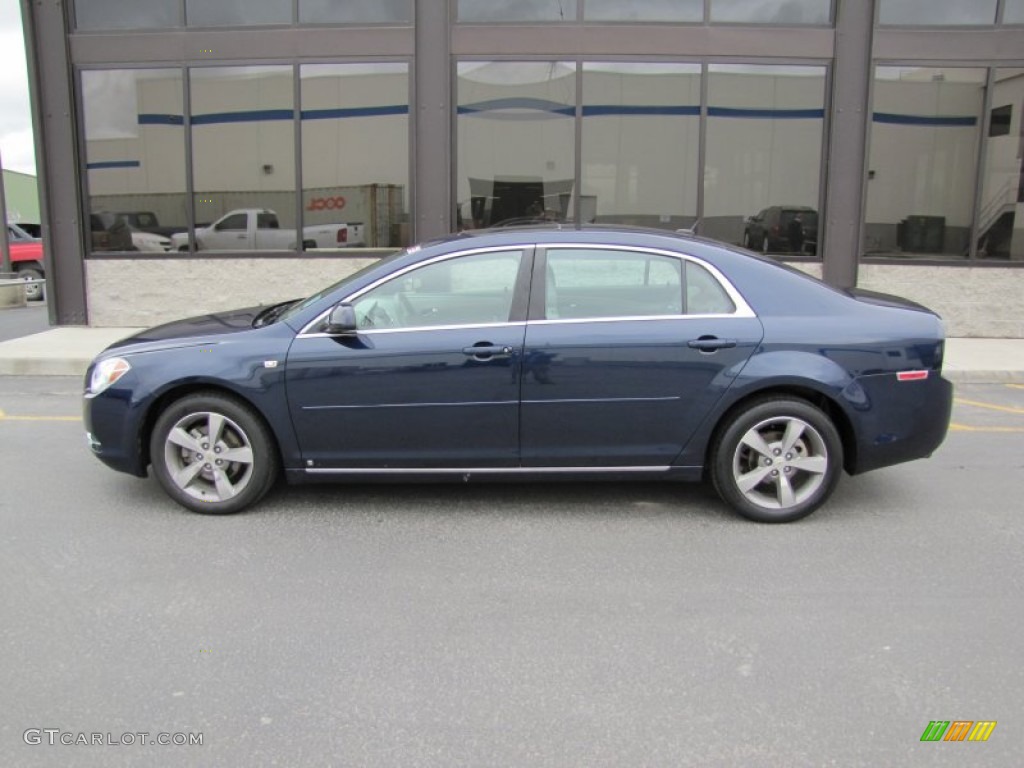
(534, 353)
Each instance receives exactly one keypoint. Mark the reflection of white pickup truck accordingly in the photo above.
(258, 229)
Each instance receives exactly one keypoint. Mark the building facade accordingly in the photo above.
(280, 144)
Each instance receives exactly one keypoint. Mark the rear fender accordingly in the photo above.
(769, 372)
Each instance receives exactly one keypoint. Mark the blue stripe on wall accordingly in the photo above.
(767, 114)
(552, 109)
(161, 120)
(254, 116)
(603, 110)
(335, 114)
(114, 164)
(937, 121)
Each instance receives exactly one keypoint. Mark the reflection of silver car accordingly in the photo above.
(150, 243)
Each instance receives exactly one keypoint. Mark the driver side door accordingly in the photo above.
(431, 379)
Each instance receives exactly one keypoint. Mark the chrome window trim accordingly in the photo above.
(305, 333)
(376, 331)
(634, 319)
(742, 307)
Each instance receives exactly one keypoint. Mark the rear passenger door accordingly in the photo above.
(626, 350)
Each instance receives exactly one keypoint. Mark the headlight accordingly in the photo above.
(106, 373)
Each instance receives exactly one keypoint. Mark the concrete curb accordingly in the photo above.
(63, 351)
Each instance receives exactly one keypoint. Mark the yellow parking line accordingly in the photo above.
(990, 406)
(5, 417)
(966, 428)
(1015, 386)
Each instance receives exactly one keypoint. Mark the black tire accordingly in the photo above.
(36, 291)
(755, 482)
(246, 450)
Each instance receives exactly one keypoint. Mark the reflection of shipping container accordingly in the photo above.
(922, 234)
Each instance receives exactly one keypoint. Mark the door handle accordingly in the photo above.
(485, 351)
(711, 343)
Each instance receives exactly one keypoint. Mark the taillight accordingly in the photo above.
(343, 235)
(911, 375)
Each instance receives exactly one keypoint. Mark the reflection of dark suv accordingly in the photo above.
(110, 233)
(783, 229)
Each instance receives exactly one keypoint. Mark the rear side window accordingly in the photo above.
(596, 283)
(704, 294)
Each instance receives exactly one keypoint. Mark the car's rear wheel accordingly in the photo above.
(213, 454)
(777, 460)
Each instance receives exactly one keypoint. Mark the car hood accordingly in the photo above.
(192, 330)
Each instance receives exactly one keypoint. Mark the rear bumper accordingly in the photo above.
(902, 420)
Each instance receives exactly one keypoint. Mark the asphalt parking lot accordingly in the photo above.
(513, 625)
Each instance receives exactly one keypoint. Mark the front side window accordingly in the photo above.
(465, 290)
(234, 222)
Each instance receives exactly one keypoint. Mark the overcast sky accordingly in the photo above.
(16, 147)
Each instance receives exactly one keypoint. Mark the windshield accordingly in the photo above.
(301, 305)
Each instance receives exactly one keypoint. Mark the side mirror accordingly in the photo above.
(341, 321)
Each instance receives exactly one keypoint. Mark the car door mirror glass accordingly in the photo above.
(341, 321)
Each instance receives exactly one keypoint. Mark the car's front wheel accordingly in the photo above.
(213, 454)
(777, 460)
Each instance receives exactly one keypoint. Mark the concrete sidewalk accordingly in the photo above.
(67, 351)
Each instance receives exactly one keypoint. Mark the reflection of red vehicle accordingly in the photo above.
(26, 259)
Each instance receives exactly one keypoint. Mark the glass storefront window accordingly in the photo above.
(1013, 12)
(243, 159)
(923, 161)
(644, 10)
(355, 152)
(762, 173)
(771, 11)
(135, 158)
(937, 12)
(354, 11)
(641, 139)
(106, 15)
(519, 10)
(1000, 233)
(237, 13)
(516, 140)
